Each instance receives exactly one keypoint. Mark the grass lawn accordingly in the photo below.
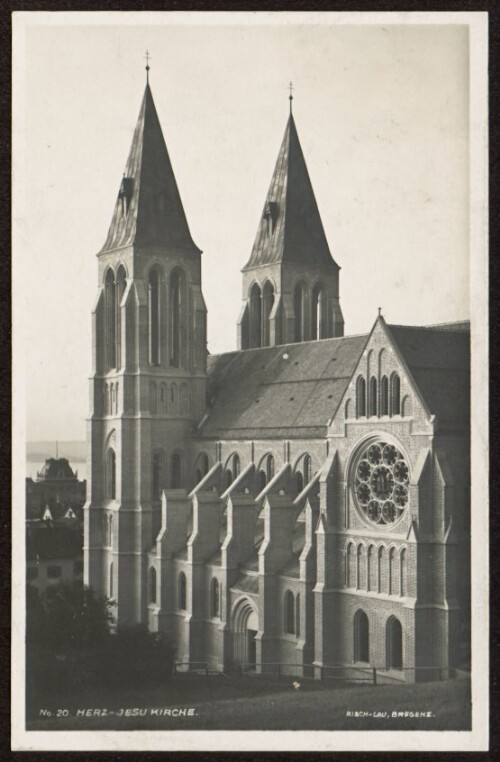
(255, 703)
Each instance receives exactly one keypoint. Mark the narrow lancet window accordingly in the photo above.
(175, 319)
(154, 316)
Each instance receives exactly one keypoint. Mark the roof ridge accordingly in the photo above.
(290, 344)
(433, 326)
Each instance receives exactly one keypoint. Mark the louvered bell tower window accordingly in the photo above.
(270, 216)
(125, 194)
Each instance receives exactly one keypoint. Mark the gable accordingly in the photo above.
(432, 369)
(372, 391)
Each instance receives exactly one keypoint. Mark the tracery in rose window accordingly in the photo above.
(381, 482)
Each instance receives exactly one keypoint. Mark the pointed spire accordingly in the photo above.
(148, 210)
(290, 228)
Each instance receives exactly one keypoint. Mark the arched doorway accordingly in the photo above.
(394, 643)
(245, 625)
(361, 637)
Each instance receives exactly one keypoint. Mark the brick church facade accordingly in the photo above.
(301, 501)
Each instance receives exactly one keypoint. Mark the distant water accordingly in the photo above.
(32, 466)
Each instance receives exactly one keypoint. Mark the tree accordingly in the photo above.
(68, 632)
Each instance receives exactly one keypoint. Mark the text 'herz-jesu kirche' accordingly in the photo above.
(301, 501)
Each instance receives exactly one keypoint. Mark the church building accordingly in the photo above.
(303, 501)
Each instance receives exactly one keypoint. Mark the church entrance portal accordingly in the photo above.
(245, 627)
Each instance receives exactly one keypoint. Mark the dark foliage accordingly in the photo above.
(72, 643)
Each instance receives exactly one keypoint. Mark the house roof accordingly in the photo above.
(155, 215)
(291, 390)
(56, 468)
(438, 358)
(290, 228)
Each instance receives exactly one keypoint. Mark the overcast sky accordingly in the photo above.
(382, 116)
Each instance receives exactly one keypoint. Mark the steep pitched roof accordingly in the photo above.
(290, 229)
(56, 468)
(293, 390)
(438, 358)
(154, 213)
(290, 390)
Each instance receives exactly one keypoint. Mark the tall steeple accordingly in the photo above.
(290, 229)
(148, 209)
(291, 281)
(148, 386)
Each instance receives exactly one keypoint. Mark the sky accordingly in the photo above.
(382, 113)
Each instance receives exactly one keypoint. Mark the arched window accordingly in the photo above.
(406, 406)
(299, 483)
(181, 591)
(298, 311)
(361, 637)
(110, 530)
(360, 567)
(111, 474)
(154, 291)
(202, 467)
(116, 398)
(255, 316)
(297, 615)
(176, 471)
(269, 468)
(307, 469)
(110, 308)
(266, 470)
(402, 572)
(120, 290)
(392, 571)
(373, 396)
(369, 568)
(157, 480)
(215, 598)
(394, 643)
(382, 572)
(360, 397)
(395, 394)
(318, 322)
(152, 585)
(184, 394)
(163, 398)
(232, 468)
(349, 566)
(267, 305)
(289, 613)
(172, 404)
(111, 586)
(153, 397)
(176, 283)
(384, 396)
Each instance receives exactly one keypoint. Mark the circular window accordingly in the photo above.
(380, 482)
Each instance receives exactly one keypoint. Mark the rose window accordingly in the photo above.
(381, 481)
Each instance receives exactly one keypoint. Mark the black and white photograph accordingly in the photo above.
(250, 371)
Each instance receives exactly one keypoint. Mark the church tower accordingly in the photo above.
(148, 385)
(291, 281)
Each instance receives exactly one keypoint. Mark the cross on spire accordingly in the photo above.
(147, 57)
(290, 97)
